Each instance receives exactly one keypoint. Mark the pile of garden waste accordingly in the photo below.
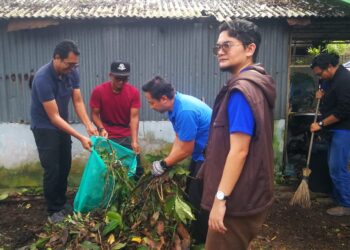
(150, 213)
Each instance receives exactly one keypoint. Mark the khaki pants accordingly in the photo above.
(241, 230)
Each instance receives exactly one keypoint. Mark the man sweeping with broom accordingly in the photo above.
(335, 109)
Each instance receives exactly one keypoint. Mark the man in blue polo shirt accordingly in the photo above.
(190, 118)
(53, 86)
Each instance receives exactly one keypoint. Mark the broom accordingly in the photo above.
(302, 195)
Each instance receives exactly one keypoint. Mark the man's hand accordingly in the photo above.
(319, 94)
(86, 143)
(136, 147)
(91, 130)
(216, 217)
(314, 127)
(157, 168)
(103, 133)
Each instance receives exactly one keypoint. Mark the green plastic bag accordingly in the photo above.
(93, 189)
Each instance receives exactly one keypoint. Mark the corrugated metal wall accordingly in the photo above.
(180, 51)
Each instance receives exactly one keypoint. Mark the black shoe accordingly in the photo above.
(56, 217)
(67, 209)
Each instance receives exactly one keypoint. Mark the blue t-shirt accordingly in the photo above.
(190, 118)
(48, 85)
(240, 115)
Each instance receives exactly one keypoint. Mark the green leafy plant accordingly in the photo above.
(336, 47)
(147, 214)
(312, 51)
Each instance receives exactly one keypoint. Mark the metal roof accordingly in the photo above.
(170, 9)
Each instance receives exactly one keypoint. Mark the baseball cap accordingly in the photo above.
(119, 68)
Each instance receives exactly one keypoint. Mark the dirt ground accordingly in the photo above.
(286, 227)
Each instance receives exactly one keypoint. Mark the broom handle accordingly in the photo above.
(312, 135)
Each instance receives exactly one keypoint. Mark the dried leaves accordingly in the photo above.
(148, 214)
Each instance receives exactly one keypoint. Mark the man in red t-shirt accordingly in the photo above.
(115, 108)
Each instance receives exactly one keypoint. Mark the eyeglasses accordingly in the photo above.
(225, 46)
(71, 65)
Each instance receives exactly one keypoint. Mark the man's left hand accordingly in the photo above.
(91, 130)
(216, 217)
(136, 147)
(314, 127)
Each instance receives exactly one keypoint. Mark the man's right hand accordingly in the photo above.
(103, 132)
(319, 94)
(157, 168)
(86, 143)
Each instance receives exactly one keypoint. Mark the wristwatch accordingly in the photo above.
(221, 196)
(321, 124)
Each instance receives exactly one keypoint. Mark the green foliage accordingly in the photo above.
(337, 47)
(110, 227)
(140, 215)
(119, 246)
(312, 51)
(87, 245)
(147, 159)
(183, 211)
(39, 244)
(114, 220)
(30, 175)
(3, 196)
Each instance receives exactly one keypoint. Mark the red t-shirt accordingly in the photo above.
(115, 107)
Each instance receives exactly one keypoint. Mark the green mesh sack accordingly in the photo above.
(95, 186)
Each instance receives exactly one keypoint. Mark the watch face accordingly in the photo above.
(220, 195)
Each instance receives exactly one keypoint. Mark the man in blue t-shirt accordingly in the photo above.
(190, 118)
(238, 170)
(53, 86)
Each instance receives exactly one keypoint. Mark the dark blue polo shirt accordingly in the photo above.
(47, 86)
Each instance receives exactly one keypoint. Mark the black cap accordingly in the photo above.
(120, 68)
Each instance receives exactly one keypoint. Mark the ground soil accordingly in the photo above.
(286, 227)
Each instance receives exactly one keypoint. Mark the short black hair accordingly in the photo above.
(324, 59)
(245, 31)
(158, 87)
(63, 48)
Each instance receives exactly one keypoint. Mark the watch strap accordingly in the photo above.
(163, 164)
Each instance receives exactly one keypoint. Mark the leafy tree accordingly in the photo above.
(337, 47)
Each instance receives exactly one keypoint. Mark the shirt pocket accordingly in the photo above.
(221, 134)
(219, 124)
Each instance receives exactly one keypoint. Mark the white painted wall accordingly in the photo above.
(17, 145)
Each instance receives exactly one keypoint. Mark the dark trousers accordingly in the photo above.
(194, 189)
(126, 142)
(54, 148)
(338, 159)
(241, 230)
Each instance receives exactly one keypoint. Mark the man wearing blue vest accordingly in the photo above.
(190, 118)
(53, 86)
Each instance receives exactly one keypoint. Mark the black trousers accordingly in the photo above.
(55, 154)
(126, 142)
(194, 189)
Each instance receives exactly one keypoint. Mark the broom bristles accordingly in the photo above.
(302, 195)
